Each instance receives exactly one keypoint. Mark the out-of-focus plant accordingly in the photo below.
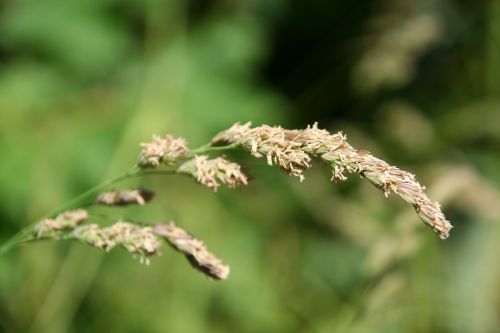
(396, 39)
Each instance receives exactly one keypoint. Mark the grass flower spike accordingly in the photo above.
(292, 151)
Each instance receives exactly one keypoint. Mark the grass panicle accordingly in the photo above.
(292, 151)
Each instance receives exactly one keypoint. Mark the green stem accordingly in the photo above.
(208, 147)
(87, 198)
(84, 199)
(156, 173)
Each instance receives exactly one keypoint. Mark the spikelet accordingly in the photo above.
(125, 197)
(271, 143)
(140, 241)
(214, 172)
(50, 228)
(162, 150)
(194, 250)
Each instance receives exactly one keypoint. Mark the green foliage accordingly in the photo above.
(82, 82)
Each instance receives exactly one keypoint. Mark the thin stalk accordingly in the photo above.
(82, 199)
(25, 234)
(157, 173)
(208, 148)
(87, 198)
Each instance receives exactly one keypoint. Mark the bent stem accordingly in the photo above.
(25, 234)
(87, 198)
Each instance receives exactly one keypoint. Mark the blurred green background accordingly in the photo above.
(415, 82)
